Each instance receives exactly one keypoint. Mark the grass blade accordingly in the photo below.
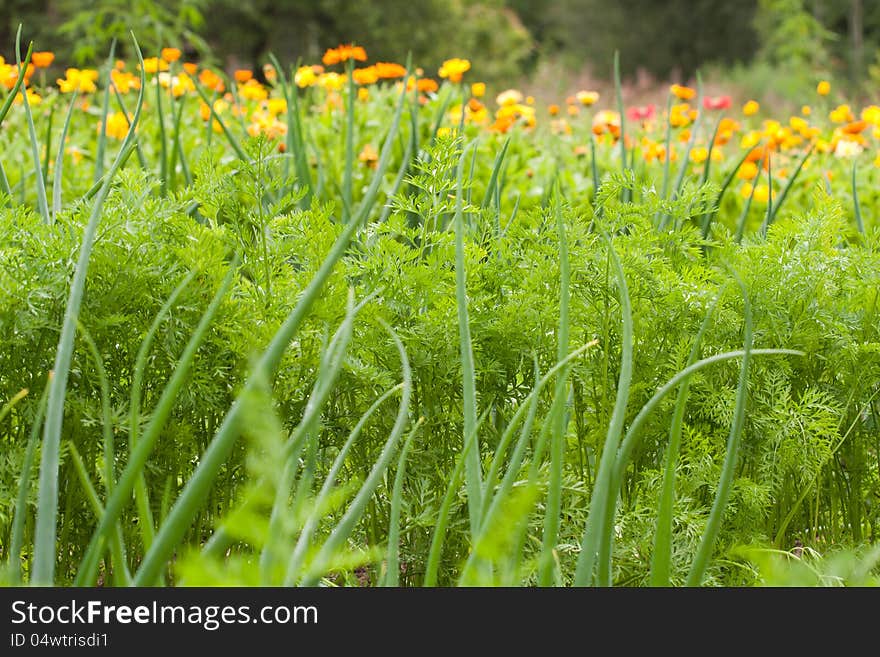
(24, 481)
(473, 474)
(722, 493)
(557, 419)
(392, 561)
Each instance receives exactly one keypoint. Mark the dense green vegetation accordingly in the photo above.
(463, 355)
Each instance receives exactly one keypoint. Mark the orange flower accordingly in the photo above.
(42, 59)
(682, 93)
(190, 67)
(553, 110)
(368, 75)
(211, 80)
(454, 69)
(369, 156)
(854, 127)
(389, 70)
(243, 75)
(427, 85)
(343, 53)
(171, 54)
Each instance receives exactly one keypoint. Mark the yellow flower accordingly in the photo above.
(32, 97)
(363, 94)
(699, 154)
(182, 84)
(841, 114)
(331, 81)
(478, 89)
(747, 171)
(117, 125)
(823, 88)
(871, 114)
(454, 69)
(124, 82)
(761, 192)
(305, 76)
(751, 108)
(806, 110)
(253, 90)
(82, 80)
(154, 64)
(277, 106)
(587, 98)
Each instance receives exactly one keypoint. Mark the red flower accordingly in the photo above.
(717, 102)
(640, 113)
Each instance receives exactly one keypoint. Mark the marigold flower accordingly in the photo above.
(154, 65)
(253, 90)
(389, 70)
(587, 98)
(427, 85)
(369, 156)
(855, 127)
(117, 125)
(717, 102)
(43, 59)
(553, 110)
(747, 171)
(823, 88)
(509, 97)
(806, 110)
(32, 96)
(243, 75)
(124, 82)
(680, 115)
(305, 76)
(81, 80)
(368, 75)
(682, 92)
(751, 108)
(170, 54)
(871, 114)
(331, 81)
(841, 114)
(343, 53)
(191, 68)
(211, 80)
(606, 121)
(699, 154)
(478, 89)
(453, 69)
(761, 193)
